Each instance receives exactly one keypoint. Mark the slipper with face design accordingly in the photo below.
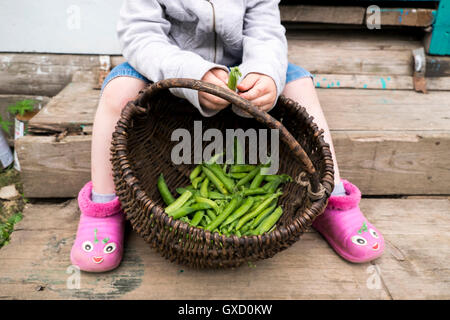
(346, 229)
(98, 245)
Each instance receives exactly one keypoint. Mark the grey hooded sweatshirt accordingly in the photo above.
(185, 38)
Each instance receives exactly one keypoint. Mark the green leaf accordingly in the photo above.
(22, 106)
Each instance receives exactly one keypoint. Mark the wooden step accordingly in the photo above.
(346, 58)
(387, 141)
(35, 264)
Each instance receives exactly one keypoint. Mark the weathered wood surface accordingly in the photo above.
(414, 265)
(323, 14)
(326, 53)
(43, 74)
(353, 15)
(411, 17)
(73, 108)
(381, 135)
(395, 163)
(54, 169)
(368, 81)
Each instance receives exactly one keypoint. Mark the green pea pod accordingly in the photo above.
(252, 192)
(264, 214)
(233, 78)
(181, 212)
(257, 180)
(209, 202)
(238, 175)
(211, 214)
(200, 206)
(178, 203)
(248, 177)
(194, 173)
(214, 180)
(164, 190)
(214, 195)
(232, 225)
(197, 218)
(243, 209)
(218, 172)
(246, 227)
(257, 211)
(181, 190)
(240, 168)
(197, 180)
(270, 221)
(204, 188)
(223, 215)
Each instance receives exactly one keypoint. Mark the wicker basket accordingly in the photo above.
(141, 150)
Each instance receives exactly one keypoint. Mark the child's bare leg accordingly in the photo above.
(302, 90)
(115, 95)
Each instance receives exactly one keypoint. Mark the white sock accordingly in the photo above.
(339, 190)
(102, 198)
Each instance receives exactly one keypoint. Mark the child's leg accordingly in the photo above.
(115, 95)
(98, 246)
(342, 224)
(302, 90)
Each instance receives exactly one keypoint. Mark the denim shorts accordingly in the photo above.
(294, 72)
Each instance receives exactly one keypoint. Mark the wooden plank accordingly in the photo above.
(335, 59)
(43, 74)
(395, 163)
(363, 81)
(71, 109)
(54, 169)
(437, 66)
(411, 17)
(413, 265)
(385, 110)
(323, 14)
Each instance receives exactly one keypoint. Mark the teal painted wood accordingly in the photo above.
(440, 38)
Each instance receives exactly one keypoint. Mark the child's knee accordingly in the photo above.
(119, 91)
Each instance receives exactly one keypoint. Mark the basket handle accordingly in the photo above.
(244, 105)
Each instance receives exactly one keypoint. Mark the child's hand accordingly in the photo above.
(258, 89)
(218, 77)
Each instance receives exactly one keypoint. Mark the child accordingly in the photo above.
(199, 39)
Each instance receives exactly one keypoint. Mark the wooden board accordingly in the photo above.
(323, 14)
(411, 17)
(381, 135)
(73, 108)
(395, 163)
(42, 74)
(36, 265)
(363, 81)
(54, 169)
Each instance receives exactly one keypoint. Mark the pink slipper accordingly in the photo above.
(98, 245)
(346, 229)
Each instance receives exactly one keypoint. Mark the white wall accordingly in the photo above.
(59, 26)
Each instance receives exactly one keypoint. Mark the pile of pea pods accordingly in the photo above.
(229, 199)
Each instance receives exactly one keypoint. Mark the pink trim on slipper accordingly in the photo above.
(93, 209)
(351, 200)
